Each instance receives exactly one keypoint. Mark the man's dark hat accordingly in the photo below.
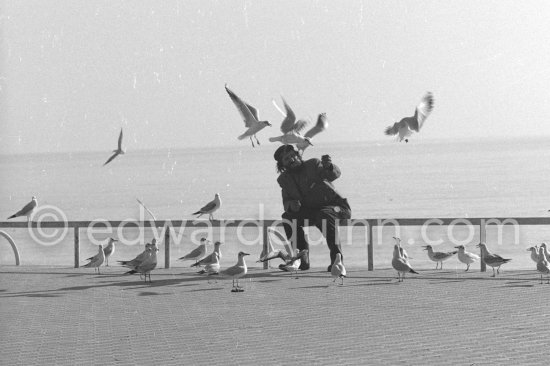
(282, 150)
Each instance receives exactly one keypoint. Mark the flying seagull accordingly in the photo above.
(118, 151)
(407, 125)
(27, 210)
(292, 129)
(250, 117)
(210, 207)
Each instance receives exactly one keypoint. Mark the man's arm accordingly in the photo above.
(291, 203)
(327, 170)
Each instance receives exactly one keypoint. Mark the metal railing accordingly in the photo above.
(369, 224)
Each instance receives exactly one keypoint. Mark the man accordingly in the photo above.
(309, 198)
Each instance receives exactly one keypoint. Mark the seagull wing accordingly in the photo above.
(248, 113)
(28, 208)
(320, 126)
(111, 158)
(120, 140)
(208, 207)
(423, 110)
(288, 123)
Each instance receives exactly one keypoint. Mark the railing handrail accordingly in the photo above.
(269, 222)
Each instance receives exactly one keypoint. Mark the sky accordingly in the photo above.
(74, 72)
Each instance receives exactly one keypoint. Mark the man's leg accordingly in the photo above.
(326, 223)
(293, 224)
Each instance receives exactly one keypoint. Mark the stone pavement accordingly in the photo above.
(69, 316)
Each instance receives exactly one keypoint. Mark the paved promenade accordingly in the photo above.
(69, 316)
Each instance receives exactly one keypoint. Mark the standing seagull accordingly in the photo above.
(407, 125)
(438, 257)
(534, 253)
(97, 260)
(236, 271)
(139, 258)
(118, 151)
(148, 264)
(545, 251)
(210, 207)
(402, 251)
(27, 210)
(466, 257)
(213, 257)
(250, 116)
(400, 264)
(109, 250)
(196, 254)
(338, 270)
(491, 259)
(543, 267)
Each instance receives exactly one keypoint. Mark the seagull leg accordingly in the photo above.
(541, 278)
(441, 265)
(494, 274)
(251, 141)
(342, 278)
(257, 141)
(467, 268)
(498, 269)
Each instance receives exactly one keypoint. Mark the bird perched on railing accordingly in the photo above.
(237, 271)
(466, 257)
(210, 208)
(213, 257)
(534, 253)
(148, 264)
(196, 254)
(438, 257)
(543, 266)
(406, 126)
(27, 210)
(400, 264)
(97, 260)
(338, 270)
(109, 250)
(490, 259)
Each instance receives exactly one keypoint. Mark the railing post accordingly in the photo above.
(264, 244)
(167, 247)
(370, 248)
(76, 247)
(482, 239)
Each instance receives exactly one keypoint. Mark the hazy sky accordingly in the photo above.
(72, 73)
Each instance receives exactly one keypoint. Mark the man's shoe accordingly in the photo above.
(304, 266)
(329, 268)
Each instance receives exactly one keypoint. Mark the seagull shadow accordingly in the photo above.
(206, 289)
(148, 293)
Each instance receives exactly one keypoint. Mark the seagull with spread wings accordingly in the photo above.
(404, 128)
(292, 129)
(250, 117)
(118, 151)
(27, 210)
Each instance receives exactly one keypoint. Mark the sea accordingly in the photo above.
(462, 179)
